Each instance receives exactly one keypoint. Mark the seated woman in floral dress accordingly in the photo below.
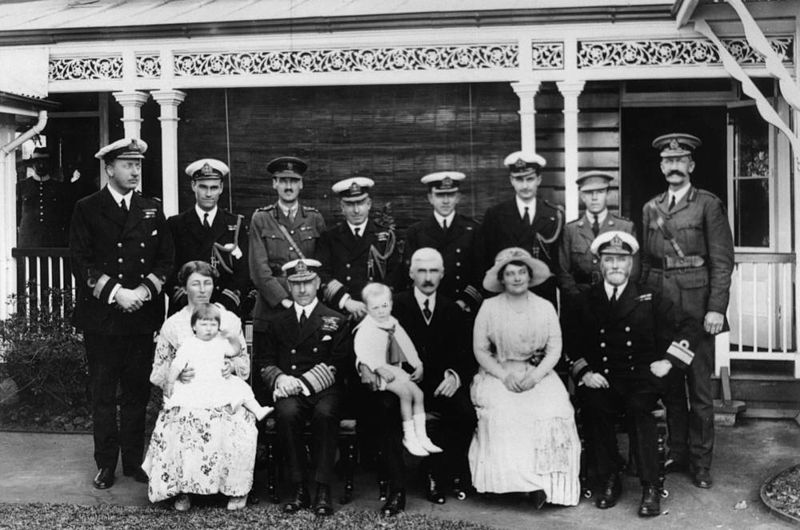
(195, 450)
(526, 440)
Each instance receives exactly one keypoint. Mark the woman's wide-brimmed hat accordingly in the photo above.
(539, 271)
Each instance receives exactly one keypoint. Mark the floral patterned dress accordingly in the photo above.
(202, 451)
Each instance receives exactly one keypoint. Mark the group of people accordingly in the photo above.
(447, 343)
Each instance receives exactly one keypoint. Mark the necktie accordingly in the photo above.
(292, 212)
(123, 205)
(303, 318)
(595, 226)
(672, 203)
(444, 224)
(613, 299)
(205, 221)
(356, 232)
(526, 218)
(426, 311)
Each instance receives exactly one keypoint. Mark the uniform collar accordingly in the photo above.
(678, 194)
(287, 210)
(362, 228)
(449, 218)
(521, 205)
(118, 196)
(601, 217)
(298, 309)
(610, 289)
(212, 214)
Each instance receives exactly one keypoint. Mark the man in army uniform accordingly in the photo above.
(122, 253)
(207, 233)
(356, 251)
(526, 221)
(306, 351)
(41, 206)
(279, 233)
(625, 340)
(454, 236)
(578, 269)
(687, 250)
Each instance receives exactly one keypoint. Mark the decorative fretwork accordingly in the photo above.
(85, 68)
(468, 57)
(148, 66)
(678, 52)
(547, 55)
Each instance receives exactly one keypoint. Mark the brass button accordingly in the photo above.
(458, 263)
(293, 351)
(119, 260)
(142, 260)
(294, 367)
(314, 350)
(627, 329)
(628, 343)
(605, 359)
(347, 265)
(602, 344)
(605, 371)
(119, 276)
(141, 244)
(458, 251)
(602, 330)
(119, 245)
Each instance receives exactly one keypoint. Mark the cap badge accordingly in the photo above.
(673, 144)
(616, 242)
(207, 170)
(290, 166)
(134, 146)
(447, 183)
(520, 164)
(354, 188)
(301, 267)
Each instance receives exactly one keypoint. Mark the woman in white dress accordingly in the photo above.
(526, 440)
(199, 450)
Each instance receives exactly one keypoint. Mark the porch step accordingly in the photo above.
(769, 390)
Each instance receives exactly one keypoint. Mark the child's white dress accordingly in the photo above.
(371, 343)
(207, 389)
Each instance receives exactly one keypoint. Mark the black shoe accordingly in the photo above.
(383, 490)
(432, 493)
(459, 489)
(395, 504)
(610, 493)
(138, 475)
(702, 478)
(104, 478)
(651, 502)
(299, 501)
(322, 502)
(676, 465)
(538, 498)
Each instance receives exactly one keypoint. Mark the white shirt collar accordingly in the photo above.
(610, 289)
(679, 194)
(201, 213)
(449, 218)
(531, 206)
(601, 217)
(362, 228)
(118, 196)
(298, 309)
(421, 297)
(286, 210)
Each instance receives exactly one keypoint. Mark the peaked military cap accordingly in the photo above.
(287, 167)
(353, 189)
(301, 270)
(207, 168)
(443, 181)
(676, 144)
(594, 180)
(125, 148)
(614, 242)
(524, 163)
(40, 153)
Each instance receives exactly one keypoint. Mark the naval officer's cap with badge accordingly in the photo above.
(524, 163)
(287, 167)
(353, 189)
(443, 182)
(207, 169)
(676, 144)
(123, 149)
(593, 181)
(616, 243)
(301, 270)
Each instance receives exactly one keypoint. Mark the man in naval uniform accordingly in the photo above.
(623, 340)
(578, 268)
(122, 252)
(455, 236)
(41, 205)
(208, 233)
(525, 221)
(687, 257)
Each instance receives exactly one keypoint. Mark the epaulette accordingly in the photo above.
(621, 218)
(266, 208)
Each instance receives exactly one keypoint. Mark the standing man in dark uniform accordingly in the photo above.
(454, 236)
(356, 251)
(526, 221)
(208, 233)
(578, 268)
(688, 258)
(281, 232)
(122, 253)
(624, 340)
(41, 206)
(306, 352)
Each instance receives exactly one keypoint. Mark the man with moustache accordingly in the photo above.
(208, 233)
(687, 257)
(122, 252)
(41, 205)
(454, 235)
(525, 221)
(578, 268)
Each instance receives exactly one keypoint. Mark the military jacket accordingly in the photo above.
(700, 228)
(349, 263)
(111, 247)
(578, 268)
(270, 249)
(622, 339)
(41, 213)
(293, 350)
(460, 250)
(223, 246)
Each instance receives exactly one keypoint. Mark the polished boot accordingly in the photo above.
(651, 502)
(702, 478)
(432, 492)
(322, 501)
(395, 504)
(299, 501)
(610, 493)
(459, 489)
(104, 478)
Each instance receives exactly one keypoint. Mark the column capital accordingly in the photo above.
(168, 97)
(570, 88)
(526, 88)
(131, 98)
